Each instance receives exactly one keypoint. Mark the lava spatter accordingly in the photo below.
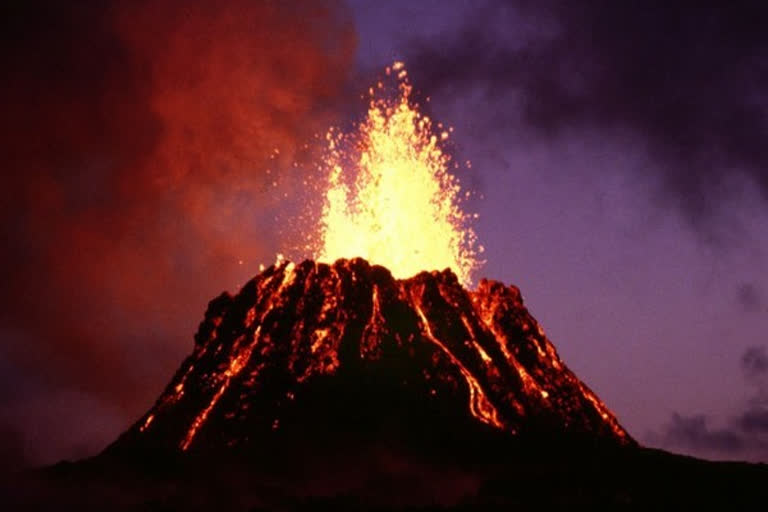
(390, 196)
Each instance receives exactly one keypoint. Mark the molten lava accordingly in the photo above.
(298, 340)
(261, 358)
(390, 198)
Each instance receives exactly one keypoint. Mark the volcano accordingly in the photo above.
(339, 384)
(318, 344)
(338, 387)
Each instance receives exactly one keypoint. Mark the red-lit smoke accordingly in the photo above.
(138, 139)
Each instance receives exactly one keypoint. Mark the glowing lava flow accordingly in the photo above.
(479, 405)
(236, 365)
(395, 204)
(301, 331)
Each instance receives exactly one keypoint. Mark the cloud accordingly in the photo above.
(139, 168)
(743, 437)
(687, 80)
(745, 434)
(749, 297)
(755, 420)
(754, 364)
(693, 433)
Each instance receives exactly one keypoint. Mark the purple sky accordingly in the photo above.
(619, 160)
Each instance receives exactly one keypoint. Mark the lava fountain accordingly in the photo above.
(390, 197)
(376, 328)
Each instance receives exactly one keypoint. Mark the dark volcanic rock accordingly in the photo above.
(337, 387)
(312, 351)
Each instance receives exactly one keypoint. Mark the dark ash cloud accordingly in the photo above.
(688, 79)
(754, 363)
(745, 435)
(755, 420)
(694, 434)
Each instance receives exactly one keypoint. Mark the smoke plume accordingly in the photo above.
(146, 146)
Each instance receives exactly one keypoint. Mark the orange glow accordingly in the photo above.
(603, 411)
(236, 365)
(371, 334)
(479, 405)
(487, 311)
(485, 341)
(147, 422)
(389, 189)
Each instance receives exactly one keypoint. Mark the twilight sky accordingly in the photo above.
(618, 149)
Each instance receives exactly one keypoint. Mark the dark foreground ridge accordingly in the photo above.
(338, 387)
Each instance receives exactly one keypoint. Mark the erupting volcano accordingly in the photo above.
(390, 197)
(259, 355)
(434, 345)
(378, 374)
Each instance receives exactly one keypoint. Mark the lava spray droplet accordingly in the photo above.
(390, 197)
